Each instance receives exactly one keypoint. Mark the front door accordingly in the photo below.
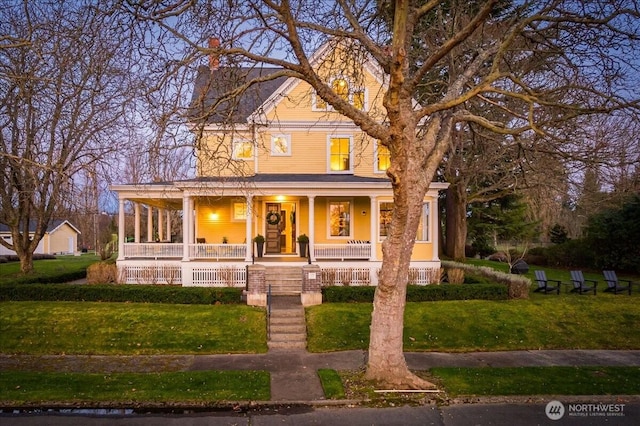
(273, 228)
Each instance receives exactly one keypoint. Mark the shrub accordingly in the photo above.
(536, 256)
(470, 251)
(102, 273)
(573, 253)
(419, 293)
(482, 246)
(135, 293)
(515, 283)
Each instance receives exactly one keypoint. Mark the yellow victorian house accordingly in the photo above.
(274, 164)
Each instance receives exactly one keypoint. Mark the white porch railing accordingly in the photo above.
(152, 250)
(217, 251)
(342, 251)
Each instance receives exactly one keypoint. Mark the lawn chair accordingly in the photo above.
(543, 283)
(579, 283)
(613, 282)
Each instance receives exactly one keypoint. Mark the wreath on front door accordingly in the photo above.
(273, 218)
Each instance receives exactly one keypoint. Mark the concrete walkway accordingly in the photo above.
(293, 372)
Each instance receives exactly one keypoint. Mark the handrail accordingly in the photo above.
(269, 312)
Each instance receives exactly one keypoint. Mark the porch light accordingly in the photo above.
(214, 216)
(281, 198)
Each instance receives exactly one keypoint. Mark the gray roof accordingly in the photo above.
(55, 223)
(211, 101)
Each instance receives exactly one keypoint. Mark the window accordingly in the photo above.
(384, 220)
(339, 218)
(344, 89)
(242, 150)
(239, 210)
(280, 145)
(385, 212)
(383, 157)
(340, 154)
(423, 226)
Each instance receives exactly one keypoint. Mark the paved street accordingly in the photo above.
(455, 415)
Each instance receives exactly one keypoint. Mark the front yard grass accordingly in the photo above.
(487, 381)
(568, 321)
(45, 328)
(193, 387)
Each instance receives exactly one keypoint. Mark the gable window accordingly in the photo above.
(242, 150)
(383, 157)
(385, 211)
(346, 91)
(281, 145)
(340, 218)
(340, 154)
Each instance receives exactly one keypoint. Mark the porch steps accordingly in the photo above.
(284, 280)
(287, 326)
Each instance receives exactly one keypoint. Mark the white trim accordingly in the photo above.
(349, 171)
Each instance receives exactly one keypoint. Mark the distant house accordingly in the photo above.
(278, 163)
(61, 237)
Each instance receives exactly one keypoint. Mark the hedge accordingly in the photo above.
(121, 293)
(419, 293)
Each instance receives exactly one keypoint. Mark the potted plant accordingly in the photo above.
(303, 241)
(259, 240)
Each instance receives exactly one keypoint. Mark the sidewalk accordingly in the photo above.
(293, 372)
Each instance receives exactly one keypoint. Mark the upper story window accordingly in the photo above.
(281, 145)
(340, 154)
(242, 149)
(341, 87)
(382, 156)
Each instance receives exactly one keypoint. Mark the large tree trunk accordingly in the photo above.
(26, 262)
(456, 230)
(410, 175)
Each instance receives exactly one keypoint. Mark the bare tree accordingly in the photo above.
(65, 80)
(462, 51)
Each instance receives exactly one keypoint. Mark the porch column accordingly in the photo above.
(169, 225)
(312, 233)
(121, 233)
(136, 234)
(192, 221)
(161, 225)
(186, 219)
(149, 224)
(249, 224)
(373, 209)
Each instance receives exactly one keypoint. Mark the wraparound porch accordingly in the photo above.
(349, 251)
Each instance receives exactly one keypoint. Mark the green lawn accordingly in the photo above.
(62, 265)
(129, 328)
(193, 387)
(539, 381)
(568, 321)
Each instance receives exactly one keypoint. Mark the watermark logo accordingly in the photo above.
(554, 410)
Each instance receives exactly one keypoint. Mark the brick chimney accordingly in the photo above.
(214, 63)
